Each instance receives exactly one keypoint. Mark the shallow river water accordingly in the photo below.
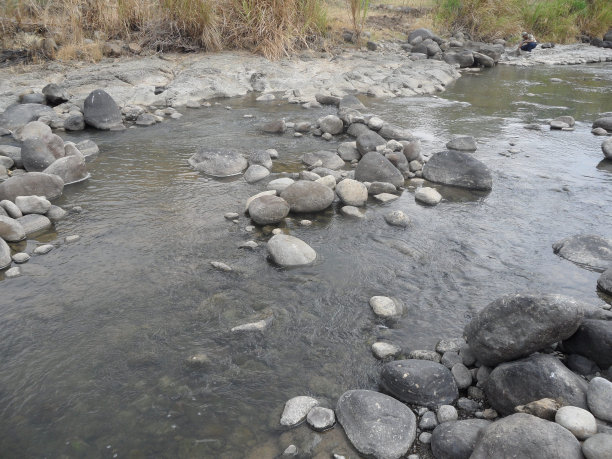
(94, 335)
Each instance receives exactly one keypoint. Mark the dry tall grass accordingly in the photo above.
(269, 27)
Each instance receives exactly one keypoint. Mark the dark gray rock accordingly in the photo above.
(100, 111)
(465, 59)
(493, 51)
(55, 94)
(458, 169)
(533, 378)
(74, 123)
(412, 150)
(604, 123)
(331, 124)
(423, 34)
(368, 141)
(218, 163)
(467, 405)
(306, 196)
(462, 143)
(5, 255)
(18, 115)
(604, 283)
(590, 251)
(357, 129)
(34, 223)
(420, 382)
(329, 159)
(516, 326)
(325, 99)
(71, 169)
(374, 167)
(593, 339)
(12, 152)
(267, 210)
(526, 437)
(36, 154)
(255, 173)
(483, 60)
(581, 365)
(457, 439)
(381, 187)
(32, 183)
(377, 425)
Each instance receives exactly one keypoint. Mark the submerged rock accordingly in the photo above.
(462, 143)
(427, 195)
(458, 169)
(71, 169)
(290, 251)
(377, 425)
(590, 251)
(218, 163)
(604, 123)
(306, 196)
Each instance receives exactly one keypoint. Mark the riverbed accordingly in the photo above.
(95, 334)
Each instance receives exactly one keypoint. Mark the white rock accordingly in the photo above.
(384, 350)
(352, 211)
(296, 410)
(21, 257)
(43, 249)
(290, 251)
(386, 307)
(72, 238)
(280, 184)
(329, 181)
(250, 327)
(352, 192)
(577, 420)
(221, 266)
(13, 272)
(427, 195)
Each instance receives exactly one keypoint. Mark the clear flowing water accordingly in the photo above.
(94, 336)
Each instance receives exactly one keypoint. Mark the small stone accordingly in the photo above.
(476, 393)
(13, 272)
(352, 211)
(545, 408)
(425, 438)
(231, 215)
(599, 131)
(385, 307)
(467, 405)
(321, 419)
(424, 355)
(447, 413)
(462, 375)
(467, 356)
(43, 249)
(20, 257)
(249, 245)
(221, 266)
(384, 350)
(305, 223)
(450, 359)
(197, 360)
(296, 410)
(277, 231)
(489, 414)
(77, 209)
(251, 327)
(427, 195)
(577, 420)
(72, 238)
(385, 197)
(397, 218)
(428, 421)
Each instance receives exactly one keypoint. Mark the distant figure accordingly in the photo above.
(528, 42)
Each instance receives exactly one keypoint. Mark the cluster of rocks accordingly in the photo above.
(603, 127)
(521, 381)
(604, 42)
(382, 157)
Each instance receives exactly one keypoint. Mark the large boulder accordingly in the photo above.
(458, 169)
(329, 159)
(590, 251)
(593, 339)
(307, 196)
(536, 377)
(18, 115)
(374, 167)
(11, 230)
(290, 251)
(605, 123)
(377, 425)
(352, 192)
(70, 169)
(419, 382)
(516, 326)
(526, 437)
(255, 173)
(457, 439)
(218, 163)
(38, 153)
(464, 58)
(368, 141)
(5, 254)
(267, 209)
(32, 183)
(100, 111)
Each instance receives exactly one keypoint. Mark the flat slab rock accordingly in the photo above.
(459, 169)
(589, 251)
(377, 425)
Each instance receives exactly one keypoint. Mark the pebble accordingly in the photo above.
(290, 451)
(383, 306)
(249, 245)
(221, 266)
(73, 238)
(428, 421)
(250, 327)
(249, 228)
(489, 414)
(384, 350)
(305, 222)
(397, 218)
(277, 231)
(327, 136)
(43, 249)
(13, 272)
(447, 413)
(577, 420)
(352, 211)
(231, 215)
(20, 257)
(385, 197)
(425, 438)
(321, 419)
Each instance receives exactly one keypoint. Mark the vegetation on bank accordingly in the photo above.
(559, 21)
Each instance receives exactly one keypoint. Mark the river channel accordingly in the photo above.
(95, 334)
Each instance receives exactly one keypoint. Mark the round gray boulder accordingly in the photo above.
(457, 439)
(536, 377)
(255, 173)
(368, 141)
(321, 419)
(32, 204)
(516, 326)
(267, 210)
(11, 230)
(352, 192)
(527, 437)
(577, 420)
(100, 111)
(218, 163)
(331, 124)
(32, 183)
(290, 251)
(604, 123)
(590, 251)
(377, 425)
(71, 169)
(260, 158)
(34, 223)
(306, 196)
(458, 169)
(598, 446)
(420, 382)
(599, 398)
(38, 153)
(374, 167)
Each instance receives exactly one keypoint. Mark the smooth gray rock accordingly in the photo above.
(526, 437)
(32, 204)
(11, 209)
(327, 99)
(467, 405)
(352, 192)
(393, 132)
(462, 375)
(146, 119)
(446, 413)
(384, 350)
(412, 150)
(331, 124)
(590, 251)
(457, 439)
(321, 419)
(12, 152)
(533, 378)
(43, 249)
(34, 223)
(581, 365)
(261, 158)
(74, 123)
(21, 257)
(598, 446)
(348, 151)
(428, 421)
(290, 251)
(306, 196)
(374, 167)
(11, 230)
(464, 58)
(577, 420)
(267, 210)
(606, 147)
(274, 127)
(386, 307)
(516, 326)
(18, 115)
(593, 339)
(450, 359)
(462, 143)
(296, 410)
(458, 169)
(377, 425)
(31, 130)
(368, 141)
(397, 218)
(5, 254)
(100, 111)
(381, 187)
(421, 382)
(352, 211)
(55, 213)
(33, 98)
(255, 173)
(329, 159)
(427, 195)
(71, 169)
(32, 183)
(281, 183)
(37, 153)
(218, 163)
(357, 129)
(599, 398)
(604, 123)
